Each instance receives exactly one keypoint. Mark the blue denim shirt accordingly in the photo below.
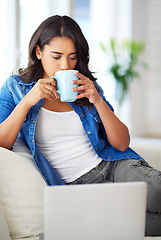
(12, 92)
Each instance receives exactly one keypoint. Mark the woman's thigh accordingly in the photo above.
(137, 170)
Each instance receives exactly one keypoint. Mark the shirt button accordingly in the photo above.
(127, 156)
(38, 108)
(109, 158)
(32, 140)
(81, 115)
(96, 149)
(88, 132)
(33, 121)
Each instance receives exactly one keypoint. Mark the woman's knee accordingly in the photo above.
(130, 170)
(138, 170)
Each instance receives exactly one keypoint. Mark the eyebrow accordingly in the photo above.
(62, 53)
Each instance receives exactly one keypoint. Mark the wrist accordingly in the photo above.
(26, 103)
(99, 102)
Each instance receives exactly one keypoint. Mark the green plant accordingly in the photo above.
(125, 58)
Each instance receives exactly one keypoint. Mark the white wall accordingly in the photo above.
(31, 17)
(140, 20)
(146, 94)
(109, 19)
(18, 20)
(5, 42)
(153, 38)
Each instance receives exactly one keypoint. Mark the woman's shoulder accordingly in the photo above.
(15, 80)
(12, 79)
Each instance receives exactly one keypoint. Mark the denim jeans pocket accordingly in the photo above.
(142, 168)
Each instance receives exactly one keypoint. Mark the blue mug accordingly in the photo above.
(65, 86)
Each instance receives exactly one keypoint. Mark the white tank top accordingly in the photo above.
(64, 143)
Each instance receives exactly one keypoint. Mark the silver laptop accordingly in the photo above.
(112, 211)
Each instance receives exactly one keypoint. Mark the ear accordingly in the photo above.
(38, 52)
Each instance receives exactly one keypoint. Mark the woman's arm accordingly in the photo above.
(117, 133)
(10, 127)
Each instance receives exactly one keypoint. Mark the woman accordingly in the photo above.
(71, 143)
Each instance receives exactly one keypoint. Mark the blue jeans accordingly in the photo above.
(128, 171)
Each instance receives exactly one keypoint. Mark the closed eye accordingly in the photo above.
(56, 57)
(73, 58)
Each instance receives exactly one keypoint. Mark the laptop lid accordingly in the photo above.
(112, 211)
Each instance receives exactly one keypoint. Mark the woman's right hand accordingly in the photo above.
(44, 88)
(9, 128)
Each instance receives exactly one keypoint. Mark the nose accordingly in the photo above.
(64, 65)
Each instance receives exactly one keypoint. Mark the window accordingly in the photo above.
(81, 13)
(3, 39)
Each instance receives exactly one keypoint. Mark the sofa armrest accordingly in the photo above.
(149, 149)
(21, 192)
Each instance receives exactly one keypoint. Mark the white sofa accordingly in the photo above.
(21, 195)
(149, 149)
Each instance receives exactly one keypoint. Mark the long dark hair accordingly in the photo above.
(57, 26)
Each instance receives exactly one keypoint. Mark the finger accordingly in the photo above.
(49, 81)
(50, 85)
(50, 90)
(81, 76)
(50, 96)
(89, 92)
(81, 88)
(82, 95)
(81, 81)
(53, 81)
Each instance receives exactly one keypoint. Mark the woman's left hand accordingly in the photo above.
(86, 89)
(117, 132)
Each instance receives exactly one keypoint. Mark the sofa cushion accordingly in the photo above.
(21, 192)
(4, 233)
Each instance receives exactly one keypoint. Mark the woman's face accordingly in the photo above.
(60, 54)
